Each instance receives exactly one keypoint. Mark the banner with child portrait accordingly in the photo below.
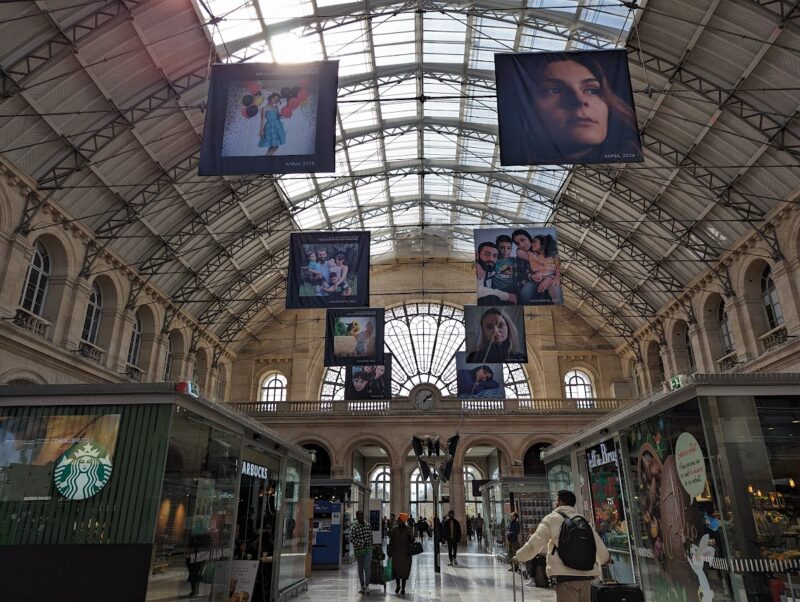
(517, 266)
(328, 269)
(354, 337)
(265, 118)
(369, 382)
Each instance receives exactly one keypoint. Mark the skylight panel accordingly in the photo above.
(406, 216)
(238, 23)
(398, 109)
(348, 45)
(503, 200)
(614, 17)
(470, 191)
(549, 176)
(293, 47)
(310, 218)
(480, 110)
(394, 54)
(533, 211)
(278, 12)
(404, 186)
(565, 6)
(364, 155)
(381, 248)
(538, 40)
(358, 115)
(393, 40)
(439, 146)
(462, 247)
(479, 153)
(372, 194)
(401, 147)
(341, 205)
(297, 185)
(376, 222)
(439, 184)
(435, 215)
(443, 38)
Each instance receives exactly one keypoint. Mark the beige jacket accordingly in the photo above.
(546, 537)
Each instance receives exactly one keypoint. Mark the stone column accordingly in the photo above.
(744, 341)
(15, 255)
(398, 486)
(458, 498)
(703, 350)
(71, 310)
(788, 292)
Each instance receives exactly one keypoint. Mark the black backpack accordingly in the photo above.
(576, 546)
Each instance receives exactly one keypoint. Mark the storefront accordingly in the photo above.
(696, 495)
(528, 496)
(136, 492)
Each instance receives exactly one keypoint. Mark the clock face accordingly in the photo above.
(424, 398)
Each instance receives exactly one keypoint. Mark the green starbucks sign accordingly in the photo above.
(83, 470)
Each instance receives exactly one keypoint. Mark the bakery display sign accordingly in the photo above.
(691, 465)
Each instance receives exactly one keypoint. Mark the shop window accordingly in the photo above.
(273, 388)
(35, 289)
(91, 323)
(136, 341)
(725, 329)
(578, 385)
(769, 296)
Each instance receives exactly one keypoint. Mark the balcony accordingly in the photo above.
(91, 351)
(446, 406)
(774, 338)
(134, 372)
(31, 322)
(727, 362)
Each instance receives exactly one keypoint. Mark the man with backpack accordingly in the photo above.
(574, 550)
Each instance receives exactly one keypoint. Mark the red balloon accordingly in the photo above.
(293, 103)
(286, 112)
(253, 87)
(303, 95)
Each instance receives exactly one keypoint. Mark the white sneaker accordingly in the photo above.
(449, 563)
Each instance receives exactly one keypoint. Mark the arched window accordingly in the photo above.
(136, 341)
(422, 339)
(421, 496)
(769, 295)
(168, 359)
(91, 324)
(473, 502)
(273, 388)
(35, 289)
(725, 329)
(578, 385)
(381, 481)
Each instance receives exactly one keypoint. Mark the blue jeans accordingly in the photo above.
(364, 568)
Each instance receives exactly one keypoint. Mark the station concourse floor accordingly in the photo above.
(478, 577)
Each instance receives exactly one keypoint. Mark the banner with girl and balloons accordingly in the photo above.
(264, 118)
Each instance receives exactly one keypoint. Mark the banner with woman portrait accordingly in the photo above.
(369, 382)
(517, 266)
(328, 269)
(566, 107)
(478, 380)
(495, 334)
(265, 118)
(354, 337)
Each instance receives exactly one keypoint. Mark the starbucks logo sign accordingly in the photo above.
(83, 471)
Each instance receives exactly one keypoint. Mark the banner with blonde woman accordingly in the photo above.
(566, 107)
(517, 266)
(265, 118)
(354, 337)
(495, 334)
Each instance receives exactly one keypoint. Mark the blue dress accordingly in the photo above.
(274, 134)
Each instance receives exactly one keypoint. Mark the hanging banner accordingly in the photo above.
(265, 118)
(566, 107)
(328, 269)
(495, 334)
(476, 380)
(369, 382)
(517, 266)
(354, 337)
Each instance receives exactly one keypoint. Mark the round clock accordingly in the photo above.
(424, 397)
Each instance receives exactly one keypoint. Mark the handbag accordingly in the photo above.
(415, 548)
(388, 571)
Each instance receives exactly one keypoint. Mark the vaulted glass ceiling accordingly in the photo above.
(417, 117)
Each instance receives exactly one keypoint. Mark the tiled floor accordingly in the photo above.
(477, 578)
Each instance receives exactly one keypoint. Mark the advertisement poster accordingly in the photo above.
(517, 266)
(608, 506)
(354, 337)
(566, 107)
(243, 580)
(328, 269)
(479, 380)
(68, 455)
(369, 382)
(495, 334)
(265, 118)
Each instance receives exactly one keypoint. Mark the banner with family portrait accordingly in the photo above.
(478, 380)
(369, 382)
(265, 118)
(354, 337)
(328, 269)
(495, 334)
(517, 266)
(566, 107)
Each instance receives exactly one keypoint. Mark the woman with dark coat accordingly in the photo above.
(400, 540)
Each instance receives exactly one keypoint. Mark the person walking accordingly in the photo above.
(361, 538)
(452, 533)
(512, 538)
(400, 540)
(574, 550)
(479, 529)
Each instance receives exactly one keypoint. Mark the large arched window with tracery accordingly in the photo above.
(422, 339)
(381, 481)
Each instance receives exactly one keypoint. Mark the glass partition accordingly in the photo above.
(196, 515)
(295, 536)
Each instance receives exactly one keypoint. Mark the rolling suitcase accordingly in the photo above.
(514, 584)
(611, 591)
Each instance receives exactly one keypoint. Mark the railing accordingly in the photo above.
(30, 321)
(727, 362)
(134, 372)
(91, 351)
(446, 405)
(774, 338)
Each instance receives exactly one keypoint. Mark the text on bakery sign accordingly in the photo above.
(601, 455)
